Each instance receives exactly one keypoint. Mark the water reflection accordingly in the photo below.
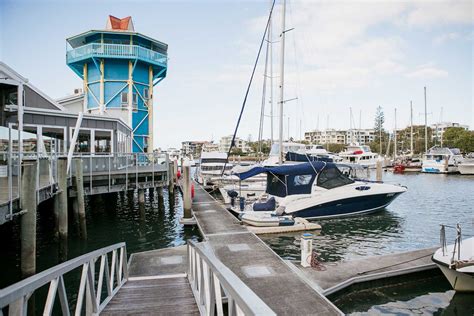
(343, 238)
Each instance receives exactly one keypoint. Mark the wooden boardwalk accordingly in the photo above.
(157, 285)
(259, 267)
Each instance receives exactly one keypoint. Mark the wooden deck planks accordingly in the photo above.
(154, 297)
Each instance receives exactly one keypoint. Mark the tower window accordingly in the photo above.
(135, 99)
(124, 98)
(146, 94)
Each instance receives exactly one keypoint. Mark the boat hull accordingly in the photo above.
(466, 168)
(460, 281)
(348, 207)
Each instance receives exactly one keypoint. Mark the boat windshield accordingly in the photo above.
(330, 178)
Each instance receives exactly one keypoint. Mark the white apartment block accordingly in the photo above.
(332, 136)
(439, 129)
(224, 144)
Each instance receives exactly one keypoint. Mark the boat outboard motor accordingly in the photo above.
(242, 203)
(232, 194)
(268, 205)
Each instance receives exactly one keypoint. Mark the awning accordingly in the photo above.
(293, 169)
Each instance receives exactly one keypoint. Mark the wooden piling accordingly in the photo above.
(62, 199)
(79, 204)
(187, 200)
(28, 219)
(171, 178)
(141, 196)
(161, 200)
(379, 171)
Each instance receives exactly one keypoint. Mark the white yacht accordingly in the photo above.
(273, 157)
(210, 167)
(456, 261)
(359, 154)
(320, 190)
(441, 160)
(320, 151)
(466, 166)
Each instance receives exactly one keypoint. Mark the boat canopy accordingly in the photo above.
(292, 156)
(286, 170)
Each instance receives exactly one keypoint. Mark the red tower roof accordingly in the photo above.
(116, 24)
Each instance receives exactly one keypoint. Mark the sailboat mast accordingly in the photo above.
(411, 128)
(395, 136)
(426, 125)
(282, 79)
(270, 52)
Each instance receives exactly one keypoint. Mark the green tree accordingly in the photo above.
(381, 137)
(460, 138)
(335, 148)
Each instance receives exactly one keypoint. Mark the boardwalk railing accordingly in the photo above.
(111, 276)
(93, 163)
(212, 282)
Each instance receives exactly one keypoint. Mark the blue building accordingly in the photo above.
(119, 68)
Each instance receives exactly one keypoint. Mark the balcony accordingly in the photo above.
(116, 51)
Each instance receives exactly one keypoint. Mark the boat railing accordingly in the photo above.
(457, 242)
(213, 283)
(110, 279)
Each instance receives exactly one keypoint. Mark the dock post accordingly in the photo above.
(379, 171)
(141, 196)
(62, 199)
(161, 200)
(79, 204)
(187, 203)
(306, 249)
(28, 220)
(171, 179)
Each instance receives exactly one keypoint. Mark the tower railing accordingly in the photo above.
(115, 51)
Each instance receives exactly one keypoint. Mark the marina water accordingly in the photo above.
(411, 222)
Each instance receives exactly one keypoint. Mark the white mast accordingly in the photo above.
(270, 52)
(426, 126)
(395, 136)
(411, 128)
(360, 126)
(350, 126)
(282, 79)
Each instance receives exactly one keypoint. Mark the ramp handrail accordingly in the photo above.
(116, 274)
(210, 279)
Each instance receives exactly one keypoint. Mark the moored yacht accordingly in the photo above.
(456, 261)
(359, 154)
(466, 166)
(320, 190)
(441, 160)
(211, 166)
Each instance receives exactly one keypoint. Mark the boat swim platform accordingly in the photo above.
(255, 263)
(333, 277)
(300, 225)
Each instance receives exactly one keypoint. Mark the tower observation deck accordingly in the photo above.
(119, 68)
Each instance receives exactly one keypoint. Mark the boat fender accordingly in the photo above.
(192, 191)
(242, 203)
(178, 174)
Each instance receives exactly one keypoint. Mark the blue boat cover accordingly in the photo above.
(285, 170)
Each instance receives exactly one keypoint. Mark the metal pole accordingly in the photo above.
(426, 126)
(395, 137)
(282, 80)
(270, 49)
(411, 128)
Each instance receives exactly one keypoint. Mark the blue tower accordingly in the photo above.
(119, 68)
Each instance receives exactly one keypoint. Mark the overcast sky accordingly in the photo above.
(341, 54)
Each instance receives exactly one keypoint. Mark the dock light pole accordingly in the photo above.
(426, 126)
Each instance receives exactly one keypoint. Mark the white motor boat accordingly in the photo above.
(319, 190)
(359, 154)
(211, 166)
(457, 261)
(441, 160)
(266, 219)
(466, 166)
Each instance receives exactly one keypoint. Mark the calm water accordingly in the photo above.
(111, 218)
(410, 222)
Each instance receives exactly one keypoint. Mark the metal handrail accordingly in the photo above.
(210, 278)
(116, 274)
(115, 50)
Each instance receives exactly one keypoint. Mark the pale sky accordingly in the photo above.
(341, 54)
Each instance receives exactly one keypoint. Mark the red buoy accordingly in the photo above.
(178, 174)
